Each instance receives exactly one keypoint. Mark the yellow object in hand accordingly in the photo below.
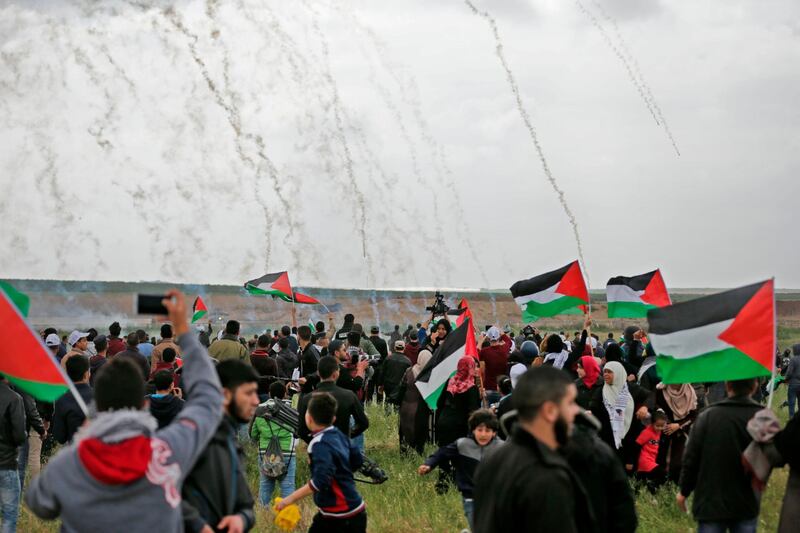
(287, 518)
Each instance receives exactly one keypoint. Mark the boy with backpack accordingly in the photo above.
(276, 445)
(333, 460)
(466, 453)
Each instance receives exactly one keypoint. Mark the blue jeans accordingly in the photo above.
(743, 526)
(469, 511)
(266, 485)
(9, 500)
(792, 398)
(22, 459)
(357, 441)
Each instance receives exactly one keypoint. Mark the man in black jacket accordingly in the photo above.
(215, 494)
(67, 414)
(132, 351)
(347, 403)
(712, 463)
(308, 354)
(31, 450)
(392, 372)
(12, 435)
(527, 485)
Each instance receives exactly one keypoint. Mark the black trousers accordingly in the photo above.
(323, 524)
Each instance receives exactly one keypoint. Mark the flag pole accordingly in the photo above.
(774, 347)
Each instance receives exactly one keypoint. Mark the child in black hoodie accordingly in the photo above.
(166, 402)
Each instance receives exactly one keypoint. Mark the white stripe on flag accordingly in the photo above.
(441, 373)
(623, 293)
(542, 297)
(689, 343)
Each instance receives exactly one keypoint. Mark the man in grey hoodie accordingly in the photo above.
(119, 463)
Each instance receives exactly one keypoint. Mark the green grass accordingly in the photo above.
(408, 502)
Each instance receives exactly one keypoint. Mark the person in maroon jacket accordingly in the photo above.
(494, 362)
(115, 343)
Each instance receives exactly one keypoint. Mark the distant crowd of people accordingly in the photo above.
(539, 432)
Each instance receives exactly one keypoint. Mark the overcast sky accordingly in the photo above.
(143, 143)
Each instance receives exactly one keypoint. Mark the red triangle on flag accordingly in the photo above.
(471, 347)
(656, 292)
(573, 284)
(753, 329)
(199, 305)
(282, 284)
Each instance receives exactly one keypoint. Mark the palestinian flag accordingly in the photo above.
(633, 297)
(276, 284)
(199, 309)
(725, 336)
(299, 298)
(560, 292)
(19, 299)
(26, 362)
(433, 378)
(457, 318)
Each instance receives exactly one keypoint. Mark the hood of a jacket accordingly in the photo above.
(115, 446)
(163, 406)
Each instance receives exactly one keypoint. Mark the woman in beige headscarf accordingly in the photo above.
(414, 412)
(679, 402)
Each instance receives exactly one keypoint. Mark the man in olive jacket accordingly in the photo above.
(229, 347)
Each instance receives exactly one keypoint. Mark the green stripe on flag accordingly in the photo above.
(568, 305)
(47, 392)
(628, 309)
(433, 398)
(722, 365)
(19, 299)
(198, 315)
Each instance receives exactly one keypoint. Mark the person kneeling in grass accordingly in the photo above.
(466, 453)
(333, 459)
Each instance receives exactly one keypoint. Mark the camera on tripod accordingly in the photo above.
(439, 308)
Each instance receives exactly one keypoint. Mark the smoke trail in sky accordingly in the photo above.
(531, 130)
(631, 65)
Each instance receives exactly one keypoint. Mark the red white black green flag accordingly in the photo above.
(560, 292)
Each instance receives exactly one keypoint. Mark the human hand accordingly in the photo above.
(631, 378)
(638, 335)
(629, 468)
(302, 381)
(206, 529)
(642, 412)
(361, 367)
(587, 323)
(680, 499)
(423, 469)
(233, 522)
(671, 428)
(175, 302)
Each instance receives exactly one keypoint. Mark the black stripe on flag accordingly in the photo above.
(637, 283)
(266, 278)
(701, 311)
(538, 283)
(454, 341)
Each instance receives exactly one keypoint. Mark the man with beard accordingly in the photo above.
(548, 497)
(215, 495)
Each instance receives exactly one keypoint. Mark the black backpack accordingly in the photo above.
(272, 464)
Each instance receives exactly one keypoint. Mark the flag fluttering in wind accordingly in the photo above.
(441, 367)
(19, 299)
(560, 292)
(725, 336)
(299, 298)
(26, 362)
(275, 284)
(633, 297)
(457, 318)
(199, 309)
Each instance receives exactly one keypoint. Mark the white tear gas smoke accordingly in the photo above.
(631, 65)
(531, 130)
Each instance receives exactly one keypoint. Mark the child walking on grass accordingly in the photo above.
(466, 453)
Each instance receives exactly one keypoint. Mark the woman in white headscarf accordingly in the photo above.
(613, 405)
(414, 412)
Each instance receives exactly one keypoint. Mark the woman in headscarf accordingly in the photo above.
(414, 415)
(440, 332)
(459, 399)
(588, 380)
(558, 355)
(679, 403)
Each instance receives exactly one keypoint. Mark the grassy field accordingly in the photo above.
(408, 502)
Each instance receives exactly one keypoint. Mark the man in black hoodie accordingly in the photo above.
(712, 463)
(215, 495)
(165, 403)
(67, 414)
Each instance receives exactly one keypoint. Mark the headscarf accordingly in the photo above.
(618, 402)
(422, 360)
(592, 370)
(464, 378)
(681, 401)
(529, 352)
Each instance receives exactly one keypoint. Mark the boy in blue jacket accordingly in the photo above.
(333, 460)
(466, 453)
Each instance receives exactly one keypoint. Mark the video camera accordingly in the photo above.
(370, 469)
(439, 308)
(280, 413)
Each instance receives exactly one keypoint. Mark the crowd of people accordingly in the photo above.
(539, 432)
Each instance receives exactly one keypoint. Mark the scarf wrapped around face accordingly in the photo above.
(422, 360)
(464, 378)
(618, 402)
(591, 371)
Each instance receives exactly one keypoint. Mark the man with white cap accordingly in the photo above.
(79, 346)
(53, 343)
